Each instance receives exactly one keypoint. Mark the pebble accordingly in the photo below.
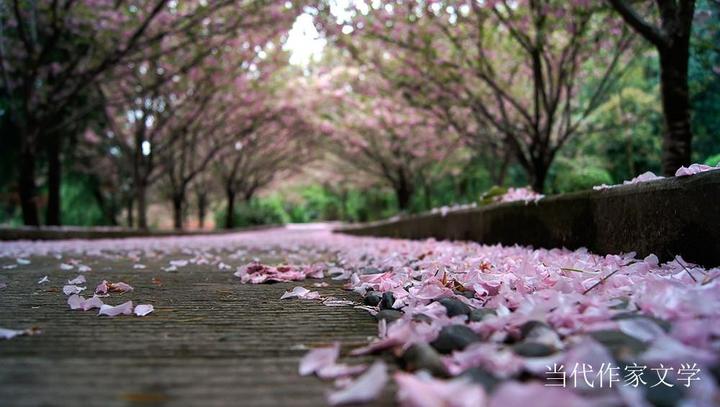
(482, 377)
(372, 299)
(541, 333)
(533, 349)
(454, 307)
(454, 337)
(466, 293)
(620, 344)
(389, 315)
(422, 356)
(371, 270)
(388, 299)
(665, 325)
(422, 318)
(480, 313)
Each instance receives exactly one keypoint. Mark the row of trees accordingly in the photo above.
(165, 94)
(166, 100)
(515, 81)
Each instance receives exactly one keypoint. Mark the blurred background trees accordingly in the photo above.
(199, 114)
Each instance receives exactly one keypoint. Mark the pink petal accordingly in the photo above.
(120, 287)
(77, 280)
(72, 289)
(536, 395)
(93, 302)
(102, 288)
(318, 358)
(301, 293)
(339, 370)
(9, 333)
(419, 391)
(364, 389)
(125, 308)
(143, 309)
(75, 301)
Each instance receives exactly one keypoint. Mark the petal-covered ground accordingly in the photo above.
(459, 323)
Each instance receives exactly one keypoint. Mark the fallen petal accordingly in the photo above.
(93, 302)
(75, 301)
(143, 309)
(77, 280)
(125, 308)
(301, 293)
(43, 280)
(318, 358)
(365, 388)
(72, 289)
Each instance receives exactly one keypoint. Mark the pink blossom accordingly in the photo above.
(365, 388)
(72, 289)
(319, 358)
(693, 169)
(424, 391)
(301, 293)
(125, 308)
(143, 309)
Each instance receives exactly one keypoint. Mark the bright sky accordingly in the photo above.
(304, 42)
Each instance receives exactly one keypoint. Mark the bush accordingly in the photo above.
(582, 178)
(713, 160)
(259, 211)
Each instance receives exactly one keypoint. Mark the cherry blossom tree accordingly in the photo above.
(52, 53)
(167, 112)
(375, 130)
(506, 74)
(275, 143)
(671, 38)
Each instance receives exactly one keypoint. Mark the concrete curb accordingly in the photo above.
(666, 217)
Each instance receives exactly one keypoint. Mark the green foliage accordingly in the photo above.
(489, 196)
(78, 204)
(259, 211)
(713, 160)
(580, 178)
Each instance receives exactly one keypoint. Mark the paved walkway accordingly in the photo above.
(210, 341)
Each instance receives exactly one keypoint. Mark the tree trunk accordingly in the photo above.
(230, 210)
(403, 193)
(130, 212)
(677, 140)
(27, 186)
(178, 200)
(202, 209)
(140, 196)
(54, 174)
(538, 175)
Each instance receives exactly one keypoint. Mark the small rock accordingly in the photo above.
(454, 337)
(533, 349)
(480, 313)
(540, 332)
(371, 270)
(466, 293)
(665, 325)
(482, 377)
(389, 315)
(454, 306)
(620, 344)
(422, 318)
(372, 299)
(388, 299)
(664, 396)
(422, 356)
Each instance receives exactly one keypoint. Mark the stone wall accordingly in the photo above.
(664, 217)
